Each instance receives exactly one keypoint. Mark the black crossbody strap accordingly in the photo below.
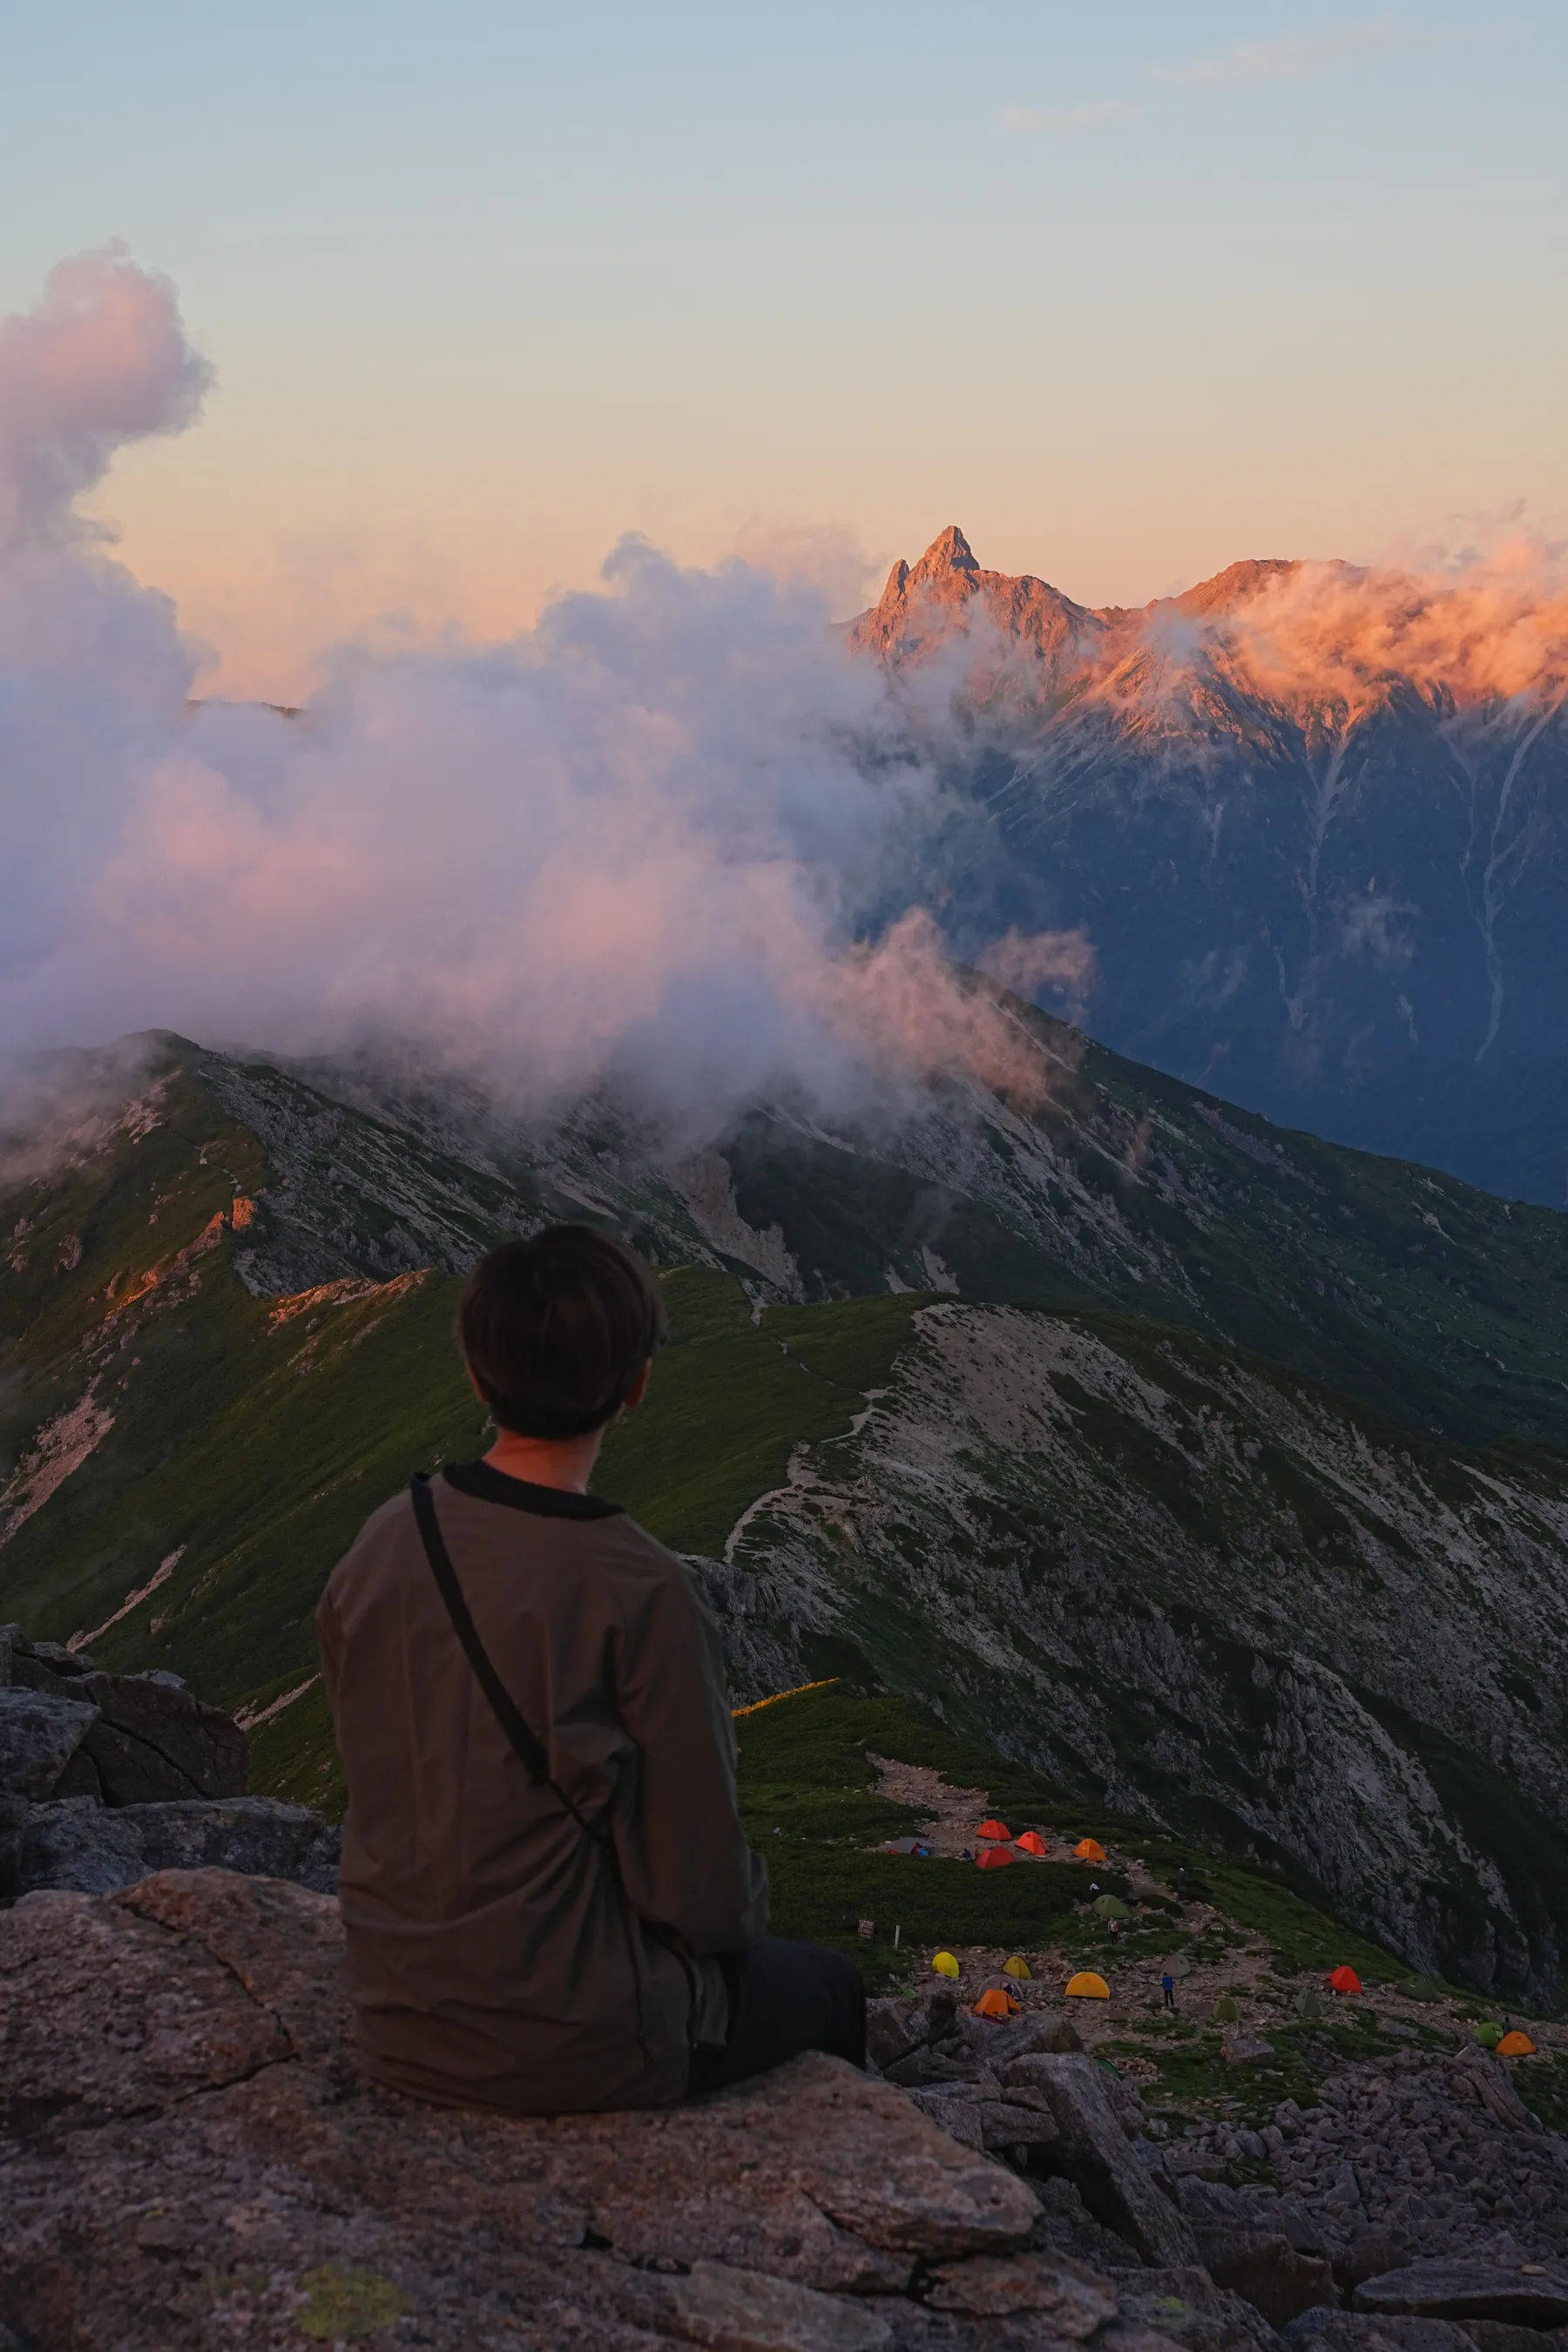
(522, 1738)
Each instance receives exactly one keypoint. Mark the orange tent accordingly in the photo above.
(1089, 1850)
(995, 2003)
(994, 1857)
(994, 1829)
(1087, 1986)
(1031, 1842)
(1516, 2045)
(1344, 1980)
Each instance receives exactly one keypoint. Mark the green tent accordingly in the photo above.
(1109, 1906)
(1488, 2036)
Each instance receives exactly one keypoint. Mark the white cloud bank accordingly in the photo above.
(641, 842)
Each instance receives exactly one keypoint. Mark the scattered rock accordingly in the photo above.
(1468, 2290)
(1355, 2331)
(1008, 2122)
(1244, 2049)
(1368, 2252)
(1268, 2270)
(744, 2311)
(1185, 2302)
(1094, 2153)
(993, 2286)
(1506, 2335)
(39, 1734)
(895, 2028)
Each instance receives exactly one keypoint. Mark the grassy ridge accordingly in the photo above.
(809, 1799)
(732, 1397)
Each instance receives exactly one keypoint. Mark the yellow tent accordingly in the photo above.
(1516, 2045)
(1017, 1965)
(1087, 1986)
(945, 1965)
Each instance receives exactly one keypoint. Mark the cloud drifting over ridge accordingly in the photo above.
(640, 843)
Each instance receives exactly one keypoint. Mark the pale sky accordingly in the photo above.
(1129, 291)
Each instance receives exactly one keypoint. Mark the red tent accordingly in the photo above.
(1344, 1980)
(1031, 1842)
(994, 1857)
(994, 1829)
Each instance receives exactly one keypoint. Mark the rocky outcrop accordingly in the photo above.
(1103, 1538)
(1024, 624)
(124, 1739)
(1117, 2189)
(1528, 2296)
(106, 1778)
(1426, 2153)
(189, 2157)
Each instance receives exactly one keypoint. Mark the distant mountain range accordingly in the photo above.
(1213, 1472)
(1313, 821)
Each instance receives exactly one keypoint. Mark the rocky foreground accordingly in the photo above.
(188, 2158)
(105, 1778)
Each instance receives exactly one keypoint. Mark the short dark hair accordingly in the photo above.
(555, 1329)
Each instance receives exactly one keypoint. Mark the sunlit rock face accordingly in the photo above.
(1311, 818)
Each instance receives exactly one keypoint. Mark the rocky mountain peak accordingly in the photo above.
(949, 552)
(1233, 586)
(926, 604)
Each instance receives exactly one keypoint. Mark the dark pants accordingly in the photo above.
(790, 1996)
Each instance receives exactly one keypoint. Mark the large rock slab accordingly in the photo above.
(1185, 2303)
(87, 1848)
(1092, 2149)
(150, 1739)
(735, 2310)
(40, 1731)
(1325, 2330)
(1531, 2297)
(1265, 2267)
(188, 2156)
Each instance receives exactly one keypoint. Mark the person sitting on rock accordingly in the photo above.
(550, 1902)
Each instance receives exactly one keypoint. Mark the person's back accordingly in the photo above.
(589, 1939)
(492, 1957)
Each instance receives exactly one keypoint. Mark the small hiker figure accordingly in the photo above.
(1168, 1986)
(1181, 1882)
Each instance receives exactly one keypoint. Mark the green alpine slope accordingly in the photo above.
(1207, 1473)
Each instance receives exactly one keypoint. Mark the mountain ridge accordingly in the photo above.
(1204, 1467)
(940, 586)
(1311, 820)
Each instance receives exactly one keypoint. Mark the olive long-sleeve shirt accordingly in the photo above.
(492, 1960)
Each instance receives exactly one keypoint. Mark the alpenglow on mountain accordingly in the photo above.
(1311, 820)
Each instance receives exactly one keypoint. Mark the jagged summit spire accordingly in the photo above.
(949, 552)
